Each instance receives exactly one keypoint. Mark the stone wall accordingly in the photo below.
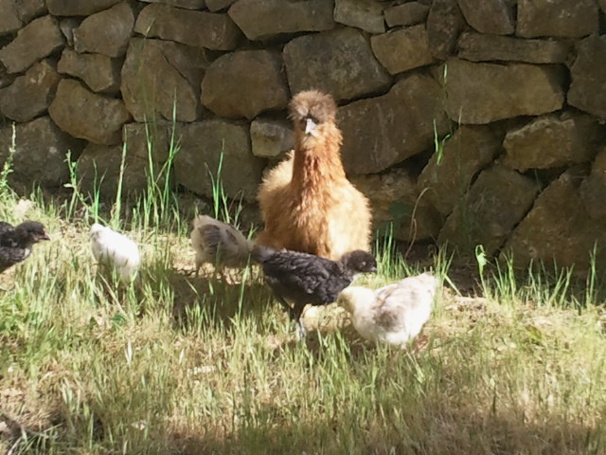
(464, 121)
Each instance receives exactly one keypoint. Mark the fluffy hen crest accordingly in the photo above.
(115, 250)
(312, 103)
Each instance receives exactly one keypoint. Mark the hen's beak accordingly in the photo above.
(45, 236)
(310, 126)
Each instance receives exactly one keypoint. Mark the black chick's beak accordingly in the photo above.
(44, 236)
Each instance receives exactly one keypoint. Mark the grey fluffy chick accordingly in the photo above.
(16, 243)
(218, 243)
(393, 314)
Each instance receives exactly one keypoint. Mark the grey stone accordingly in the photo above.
(78, 7)
(382, 131)
(202, 144)
(67, 26)
(245, 83)
(218, 5)
(37, 40)
(6, 79)
(488, 16)
(156, 140)
(31, 94)
(395, 200)
(86, 115)
(481, 47)
(100, 168)
(558, 228)
(271, 138)
(593, 189)
(587, 90)
(40, 153)
(262, 19)
(402, 50)
(10, 21)
(496, 202)
(187, 4)
(364, 14)
(552, 141)
(159, 75)
(338, 62)
(193, 28)
(30, 9)
(563, 18)
(106, 32)
(602, 4)
(99, 72)
(448, 175)
(406, 14)
(444, 24)
(479, 93)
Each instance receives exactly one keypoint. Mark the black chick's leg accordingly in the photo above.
(297, 315)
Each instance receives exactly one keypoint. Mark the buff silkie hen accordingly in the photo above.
(115, 251)
(306, 201)
(16, 242)
(218, 243)
(298, 279)
(393, 314)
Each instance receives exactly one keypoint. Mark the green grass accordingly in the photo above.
(181, 365)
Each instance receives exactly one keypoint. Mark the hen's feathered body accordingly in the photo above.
(115, 250)
(298, 279)
(393, 314)
(307, 203)
(16, 243)
(218, 243)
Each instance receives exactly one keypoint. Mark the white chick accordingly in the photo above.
(115, 250)
(218, 243)
(393, 314)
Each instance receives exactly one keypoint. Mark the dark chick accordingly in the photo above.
(16, 242)
(298, 279)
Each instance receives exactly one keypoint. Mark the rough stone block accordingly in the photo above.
(480, 93)
(263, 19)
(31, 94)
(339, 62)
(245, 83)
(194, 28)
(83, 114)
(35, 41)
(107, 32)
(552, 141)
(99, 72)
(402, 50)
(382, 131)
(496, 202)
(449, 173)
(202, 144)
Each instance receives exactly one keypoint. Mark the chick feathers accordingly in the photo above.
(16, 243)
(218, 243)
(116, 251)
(393, 314)
(298, 279)
(306, 201)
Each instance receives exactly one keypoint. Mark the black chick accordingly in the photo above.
(16, 242)
(298, 279)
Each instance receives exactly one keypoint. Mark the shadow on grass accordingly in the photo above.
(277, 431)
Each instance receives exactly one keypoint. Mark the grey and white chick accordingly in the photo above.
(218, 243)
(16, 242)
(116, 251)
(393, 314)
(298, 279)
